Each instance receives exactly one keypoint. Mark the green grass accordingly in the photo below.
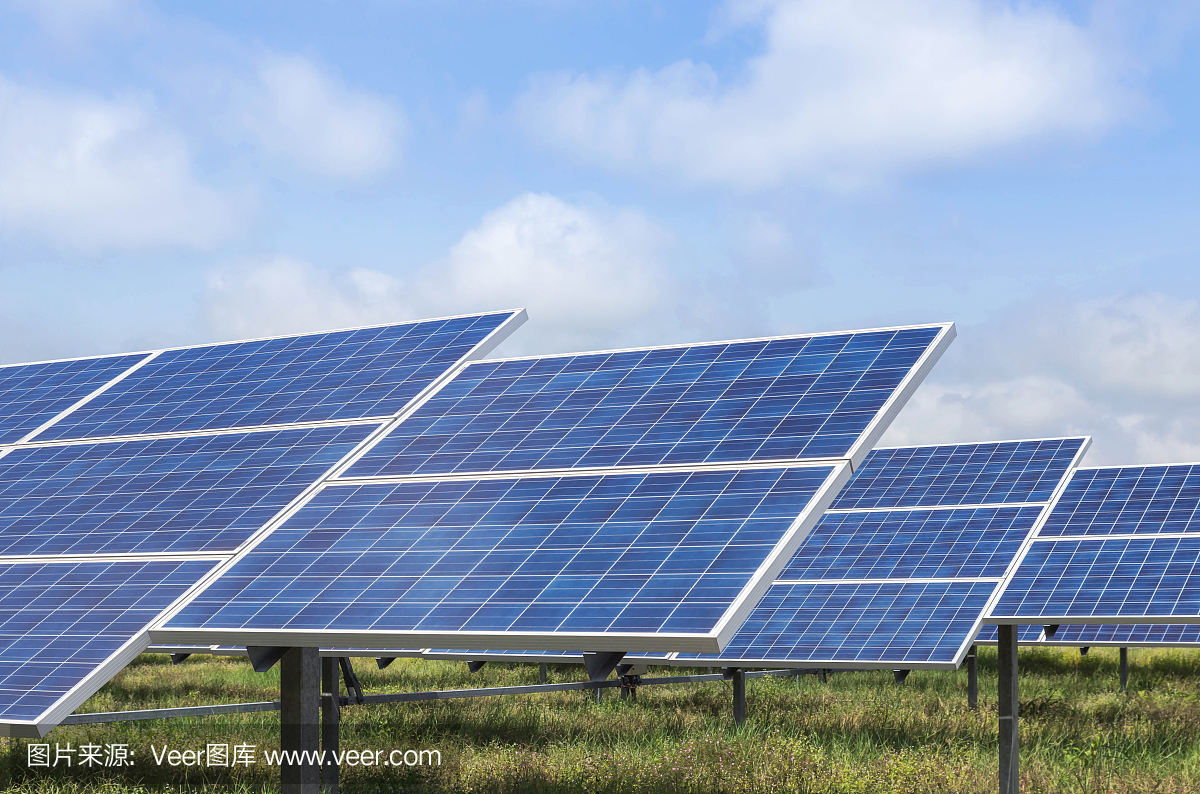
(858, 733)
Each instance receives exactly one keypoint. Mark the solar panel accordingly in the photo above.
(354, 374)
(825, 396)
(639, 559)
(913, 544)
(33, 394)
(903, 587)
(1131, 580)
(960, 474)
(1128, 500)
(1121, 546)
(182, 494)
(607, 563)
(864, 624)
(66, 628)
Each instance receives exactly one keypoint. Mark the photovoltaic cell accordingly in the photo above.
(60, 621)
(893, 622)
(960, 474)
(660, 552)
(1128, 500)
(913, 544)
(369, 372)
(782, 399)
(1119, 578)
(32, 394)
(183, 494)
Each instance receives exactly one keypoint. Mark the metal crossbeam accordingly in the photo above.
(398, 697)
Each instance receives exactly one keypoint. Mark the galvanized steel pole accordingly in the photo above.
(1010, 780)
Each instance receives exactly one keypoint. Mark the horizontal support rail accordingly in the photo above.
(402, 697)
(162, 714)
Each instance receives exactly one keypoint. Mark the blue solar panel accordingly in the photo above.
(913, 544)
(59, 621)
(1105, 577)
(886, 622)
(663, 552)
(369, 372)
(960, 474)
(184, 494)
(32, 394)
(1127, 635)
(1128, 500)
(799, 397)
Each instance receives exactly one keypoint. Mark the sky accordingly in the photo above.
(632, 173)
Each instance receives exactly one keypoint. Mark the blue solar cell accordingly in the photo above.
(1128, 500)
(369, 372)
(799, 397)
(960, 474)
(1127, 635)
(59, 621)
(1104, 577)
(184, 494)
(892, 622)
(32, 394)
(637, 552)
(913, 544)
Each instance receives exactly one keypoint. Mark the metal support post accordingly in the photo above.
(821, 676)
(1010, 780)
(973, 678)
(331, 713)
(543, 669)
(1124, 669)
(738, 676)
(1083, 651)
(299, 696)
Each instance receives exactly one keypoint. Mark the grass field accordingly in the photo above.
(859, 733)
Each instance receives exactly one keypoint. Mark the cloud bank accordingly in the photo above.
(843, 93)
(297, 112)
(91, 172)
(589, 276)
(1125, 370)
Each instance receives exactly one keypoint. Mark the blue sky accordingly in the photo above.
(632, 173)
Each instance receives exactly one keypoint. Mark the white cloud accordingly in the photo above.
(585, 273)
(843, 93)
(279, 295)
(1125, 370)
(90, 173)
(299, 113)
(590, 276)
